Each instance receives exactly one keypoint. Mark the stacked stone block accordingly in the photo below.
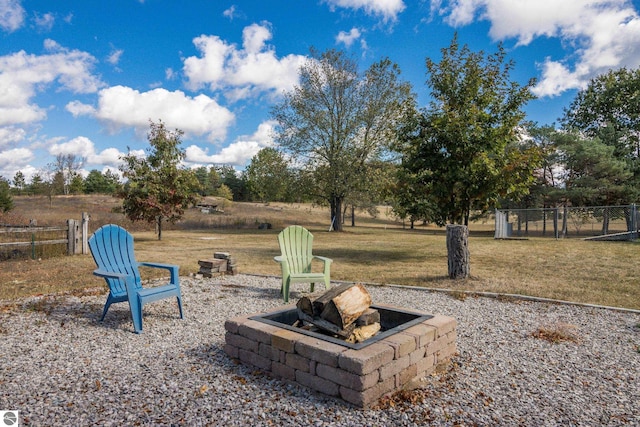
(358, 376)
(221, 263)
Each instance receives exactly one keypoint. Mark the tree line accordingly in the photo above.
(352, 139)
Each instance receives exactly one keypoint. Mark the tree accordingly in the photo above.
(76, 186)
(19, 182)
(609, 109)
(337, 119)
(209, 180)
(464, 149)
(374, 188)
(235, 183)
(64, 170)
(593, 176)
(268, 176)
(6, 201)
(157, 187)
(37, 185)
(101, 183)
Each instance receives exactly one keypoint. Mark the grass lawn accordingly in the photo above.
(376, 250)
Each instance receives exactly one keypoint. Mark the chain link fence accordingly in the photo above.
(566, 222)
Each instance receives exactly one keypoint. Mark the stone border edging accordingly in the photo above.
(495, 295)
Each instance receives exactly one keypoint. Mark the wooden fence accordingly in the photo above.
(76, 239)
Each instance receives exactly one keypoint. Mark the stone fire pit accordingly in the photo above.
(410, 345)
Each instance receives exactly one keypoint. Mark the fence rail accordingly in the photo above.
(615, 222)
(75, 234)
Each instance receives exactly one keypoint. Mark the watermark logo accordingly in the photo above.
(9, 419)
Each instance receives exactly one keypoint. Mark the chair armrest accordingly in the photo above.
(109, 274)
(323, 259)
(279, 259)
(173, 269)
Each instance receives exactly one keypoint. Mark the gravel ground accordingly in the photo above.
(61, 366)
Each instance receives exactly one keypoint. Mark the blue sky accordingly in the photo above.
(84, 78)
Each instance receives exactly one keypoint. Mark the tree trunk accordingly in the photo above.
(458, 251)
(159, 227)
(336, 213)
(353, 216)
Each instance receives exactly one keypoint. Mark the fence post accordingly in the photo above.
(85, 233)
(73, 237)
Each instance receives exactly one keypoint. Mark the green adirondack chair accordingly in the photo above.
(296, 244)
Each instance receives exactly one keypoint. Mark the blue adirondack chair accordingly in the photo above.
(112, 250)
(296, 244)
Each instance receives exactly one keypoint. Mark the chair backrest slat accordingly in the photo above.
(296, 245)
(112, 250)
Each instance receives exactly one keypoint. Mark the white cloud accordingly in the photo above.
(120, 107)
(15, 156)
(114, 56)
(83, 147)
(11, 135)
(348, 38)
(230, 13)
(387, 9)
(77, 108)
(11, 15)
(44, 22)
(602, 34)
(23, 75)
(237, 153)
(241, 73)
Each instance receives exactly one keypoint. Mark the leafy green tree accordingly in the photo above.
(97, 182)
(338, 119)
(233, 181)
(593, 176)
(374, 188)
(19, 182)
(158, 188)
(609, 109)
(463, 151)
(6, 201)
(76, 186)
(37, 185)
(547, 188)
(224, 192)
(268, 176)
(410, 199)
(209, 180)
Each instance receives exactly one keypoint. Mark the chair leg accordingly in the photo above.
(313, 287)
(106, 307)
(136, 312)
(179, 298)
(285, 288)
(327, 285)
